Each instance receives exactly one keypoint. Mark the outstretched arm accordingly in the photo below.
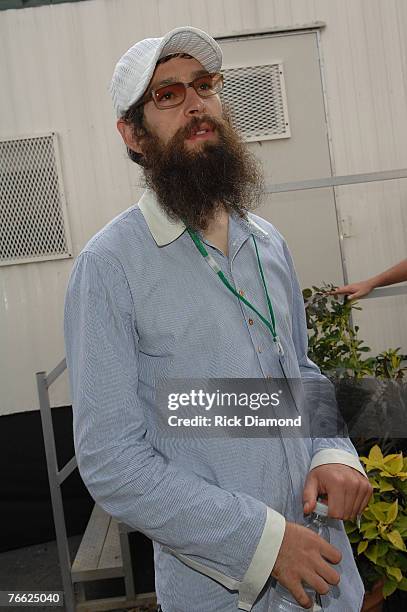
(395, 274)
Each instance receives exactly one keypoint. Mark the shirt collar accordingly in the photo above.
(165, 230)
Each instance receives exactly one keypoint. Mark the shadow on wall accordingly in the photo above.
(25, 508)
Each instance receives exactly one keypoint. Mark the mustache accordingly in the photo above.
(195, 123)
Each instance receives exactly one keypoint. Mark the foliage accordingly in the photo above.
(334, 344)
(379, 543)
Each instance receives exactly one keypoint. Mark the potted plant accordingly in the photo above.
(334, 344)
(379, 542)
(367, 387)
(333, 341)
(370, 391)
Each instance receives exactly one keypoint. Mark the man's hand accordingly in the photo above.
(303, 558)
(348, 491)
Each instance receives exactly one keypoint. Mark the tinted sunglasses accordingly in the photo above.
(174, 94)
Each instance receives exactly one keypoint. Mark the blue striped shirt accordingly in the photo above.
(143, 308)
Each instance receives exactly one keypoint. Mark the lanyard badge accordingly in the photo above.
(270, 324)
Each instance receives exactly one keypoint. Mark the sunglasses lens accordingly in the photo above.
(208, 85)
(174, 93)
(170, 95)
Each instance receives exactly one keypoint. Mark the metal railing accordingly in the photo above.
(56, 477)
(337, 181)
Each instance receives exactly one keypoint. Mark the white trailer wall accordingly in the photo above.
(56, 63)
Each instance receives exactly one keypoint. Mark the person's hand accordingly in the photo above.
(355, 290)
(347, 489)
(305, 557)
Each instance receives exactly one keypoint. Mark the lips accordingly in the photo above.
(200, 130)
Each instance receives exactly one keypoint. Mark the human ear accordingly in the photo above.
(130, 139)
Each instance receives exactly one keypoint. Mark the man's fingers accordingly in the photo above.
(353, 497)
(327, 572)
(357, 504)
(310, 493)
(330, 553)
(362, 499)
(316, 583)
(366, 500)
(336, 501)
(297, 589)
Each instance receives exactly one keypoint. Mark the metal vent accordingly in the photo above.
(33, 224)
(258, 101)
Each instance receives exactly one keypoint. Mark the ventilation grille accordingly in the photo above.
(32, 214)
(257, 97)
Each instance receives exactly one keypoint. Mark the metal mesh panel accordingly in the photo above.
(31, 214)
(257, 97)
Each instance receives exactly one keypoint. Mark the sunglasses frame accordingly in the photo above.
(151, 94)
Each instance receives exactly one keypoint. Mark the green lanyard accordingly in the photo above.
(271, 325)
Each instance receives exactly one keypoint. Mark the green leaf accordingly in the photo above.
(376, 454)
(395, 572)
(371, 553)
(382, 548)
(385, 485)
(354, 537)
(395, 465)
(371, 533)
(378, 513)
(392, 512)
(368, 514)
(382, 562)
(367, 525)
(403, 584)
(396, 539)
(362, 546)
(389, 587)
(401, 524)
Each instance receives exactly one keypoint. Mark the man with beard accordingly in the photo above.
(144, 308)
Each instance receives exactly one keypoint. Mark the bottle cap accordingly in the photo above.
(321, 509)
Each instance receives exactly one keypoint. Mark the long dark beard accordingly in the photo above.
(192, 185)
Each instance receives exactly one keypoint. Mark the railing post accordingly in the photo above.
(55, 489)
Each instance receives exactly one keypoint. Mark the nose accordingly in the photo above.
(193, 104)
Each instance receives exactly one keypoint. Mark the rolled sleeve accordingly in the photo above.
(263, 559)
(260, 567)
(336, 455)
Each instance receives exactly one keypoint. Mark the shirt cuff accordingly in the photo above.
(336, 455)
(263, 560)
(260, 566)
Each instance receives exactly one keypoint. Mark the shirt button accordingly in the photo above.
(241, 292)
(251, 321)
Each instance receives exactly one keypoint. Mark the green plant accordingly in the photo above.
(334, 343)
(379, 543)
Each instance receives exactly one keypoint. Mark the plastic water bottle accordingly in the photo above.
(283, 600)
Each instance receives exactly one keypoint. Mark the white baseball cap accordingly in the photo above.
(135, 68)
